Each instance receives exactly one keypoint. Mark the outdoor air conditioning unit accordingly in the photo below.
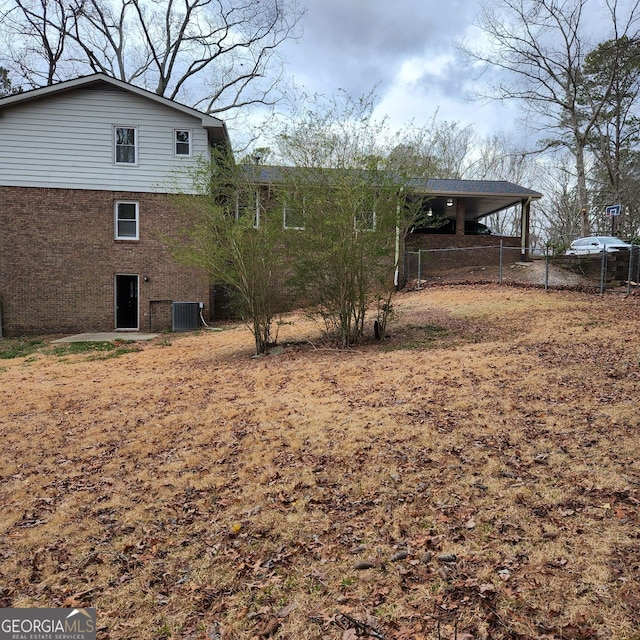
(185, 316)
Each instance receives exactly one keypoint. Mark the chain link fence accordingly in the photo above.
(504, 265)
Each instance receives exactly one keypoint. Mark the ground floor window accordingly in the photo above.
(126, 220)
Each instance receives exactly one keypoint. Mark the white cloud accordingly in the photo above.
(406, 51)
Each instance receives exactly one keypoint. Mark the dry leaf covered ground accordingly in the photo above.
(475, 475)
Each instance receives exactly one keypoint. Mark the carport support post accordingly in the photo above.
(524, 230)
(461, 210)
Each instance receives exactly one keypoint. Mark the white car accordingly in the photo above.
(595, 244)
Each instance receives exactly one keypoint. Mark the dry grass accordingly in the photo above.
(483, 462)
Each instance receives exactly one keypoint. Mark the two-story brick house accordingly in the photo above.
(87, 170)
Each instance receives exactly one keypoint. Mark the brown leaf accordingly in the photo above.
(270, 628)
(77, 599)
(578, 632)
(72, 602)
(285, 611)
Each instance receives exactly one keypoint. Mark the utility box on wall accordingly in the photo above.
(185, 316)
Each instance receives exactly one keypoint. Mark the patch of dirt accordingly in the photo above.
(474, 475)
(536, 272)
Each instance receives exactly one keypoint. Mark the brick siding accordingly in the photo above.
(590, 266)
(448, 250)
(59, 259)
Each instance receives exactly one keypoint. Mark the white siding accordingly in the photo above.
(66, 141)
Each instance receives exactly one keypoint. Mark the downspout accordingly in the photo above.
(396, 274)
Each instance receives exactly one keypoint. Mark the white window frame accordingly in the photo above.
(286, 208)
(115, 146)
(116, 220)
(176, 142)
(256, 208)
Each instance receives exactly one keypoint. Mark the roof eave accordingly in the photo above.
(517, 197)
(86, 81)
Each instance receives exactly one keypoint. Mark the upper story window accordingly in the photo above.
(126, 220)
(126, 145)
(183, 142)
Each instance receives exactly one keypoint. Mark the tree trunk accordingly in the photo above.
(583, 197)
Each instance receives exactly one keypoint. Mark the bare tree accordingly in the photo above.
(347, 202)
(35, 32)
(538, 48)
(238, 248)
(617, 131)
(452, 146)
(6, 85)
(216, 55)
(437, 149)
(498, 158)
(558, 213)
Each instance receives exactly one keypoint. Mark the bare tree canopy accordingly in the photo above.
(6, 86)
(215, 55)
(538, 49)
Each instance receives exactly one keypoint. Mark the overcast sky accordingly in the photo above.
(405, 48)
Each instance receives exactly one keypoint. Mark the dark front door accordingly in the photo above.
(126, 302)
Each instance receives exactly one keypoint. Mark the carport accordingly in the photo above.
(472, 200)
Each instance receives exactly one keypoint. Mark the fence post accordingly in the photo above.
(501, 260)
(630, 272)
(603, 268)
(418, 284)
